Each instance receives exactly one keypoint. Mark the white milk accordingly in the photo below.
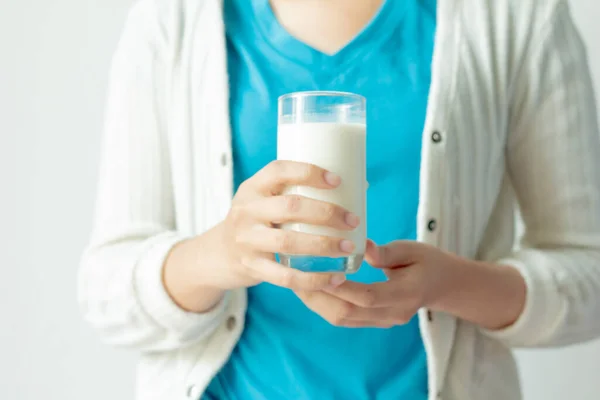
(341, 149)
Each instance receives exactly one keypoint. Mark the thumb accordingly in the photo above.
(395, 254)
(372, 252)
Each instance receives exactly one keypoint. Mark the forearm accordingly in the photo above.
(489, 295)
(189, 259)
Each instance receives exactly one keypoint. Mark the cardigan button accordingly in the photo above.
(231, 323)
(224, 159)
(193, 392)
(432, 225)
(429, 316)
(436, 137)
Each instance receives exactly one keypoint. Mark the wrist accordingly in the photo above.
(487, 294)
(186, 276)
(453, 281)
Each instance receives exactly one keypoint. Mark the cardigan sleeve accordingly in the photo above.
(120, 279)
(553, 158)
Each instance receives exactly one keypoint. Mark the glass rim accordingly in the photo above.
(322, 93)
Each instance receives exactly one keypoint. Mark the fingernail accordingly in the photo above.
(347, 246)
(332, 179)
(337, 280)
(352, 220)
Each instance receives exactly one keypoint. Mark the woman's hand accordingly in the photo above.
(420, 276)
(240, 252)
(252, 239)
(416, 278)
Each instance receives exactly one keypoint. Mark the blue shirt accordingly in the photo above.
(286, 351)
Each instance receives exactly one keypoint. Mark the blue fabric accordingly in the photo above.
(286, 351)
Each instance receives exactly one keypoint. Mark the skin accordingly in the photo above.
(243, 247)
(326, 25)
(420, 275)
(239, 252)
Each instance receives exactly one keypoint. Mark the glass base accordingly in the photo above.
(346, 265)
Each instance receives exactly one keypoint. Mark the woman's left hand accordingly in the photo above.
(419, 275)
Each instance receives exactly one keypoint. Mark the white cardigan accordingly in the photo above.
(512, 99)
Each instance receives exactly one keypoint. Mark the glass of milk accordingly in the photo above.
(327, 129)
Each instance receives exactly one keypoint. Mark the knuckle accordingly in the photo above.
(324, 245)
(245, 263)
(341, 314)
(316, 281)
(284, 242)
(329, 212)
(306, 172)
(239, 239)
(292, 204)
(275, 172)
(369, 298)
(334, 245)
(237, 213)
(336, 320)
(276, 167)
(287, 279)
(243, 187)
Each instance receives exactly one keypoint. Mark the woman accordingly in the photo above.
(497, 111)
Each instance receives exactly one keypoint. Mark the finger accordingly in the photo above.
(271, 240)
(371, 251)
(395, 254)
(342, 313)
(375, 295)
(332, 309)
(293, 208)
(265, 270)
(274, 177)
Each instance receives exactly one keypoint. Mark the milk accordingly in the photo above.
(341, 149)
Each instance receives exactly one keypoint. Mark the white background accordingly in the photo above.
(54, 57)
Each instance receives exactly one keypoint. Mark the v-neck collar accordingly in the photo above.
(376, 32)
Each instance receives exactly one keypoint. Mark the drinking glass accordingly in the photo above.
(327, 129)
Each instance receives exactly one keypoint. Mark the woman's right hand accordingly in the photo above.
(240, 251)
